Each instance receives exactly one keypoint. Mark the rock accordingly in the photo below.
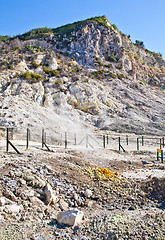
(88, 193)
(51, 61)
(90, 203)
(41, 183)
(22, 182)
(29, 177)
(63, 205)
(130, 198)
(10, 195)
(36, 201)
(75, 196)
(39, 59)
(22, 66)
(70, 217)
(39, 70)
(50, 196)
(132, 208)
(2, 201)
(14, 208)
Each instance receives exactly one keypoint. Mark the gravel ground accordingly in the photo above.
(117, 208)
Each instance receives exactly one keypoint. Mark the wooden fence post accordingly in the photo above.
(27, 138)
(127, 139)
(43, 138)
(160, 143)
(75, 139)
(119, 144)
(137, 144)
(66, 143)
(163, 142)
(103, 141)
(7, 139)
(142, 140)
(8, 142)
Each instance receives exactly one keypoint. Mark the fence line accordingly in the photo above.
(106, 141)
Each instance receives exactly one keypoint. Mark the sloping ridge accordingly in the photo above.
(87, 73)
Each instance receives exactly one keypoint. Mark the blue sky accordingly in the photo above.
(143, 19)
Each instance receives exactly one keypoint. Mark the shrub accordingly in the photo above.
(35, 65)
(16, 75)
(51, 72)
(97, 61)
(2, 38)
(76, 69)
(112, 75)
(10, 66)
(111, 58)
(121, 76)
(31, 76)
(114, 27)
(14, 48)
(139, 43)
(58, 82)
(103, 73)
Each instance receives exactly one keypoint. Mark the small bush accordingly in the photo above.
(112, 75)
(15, 48)
(114, 27)
(139, 43)
(76, 70)
(111, 58)
(10, 66)
(31, 76)
(51, 72)
(103, 74)
(34, 65)
(58, 82)
(121, 76)
(16, 75)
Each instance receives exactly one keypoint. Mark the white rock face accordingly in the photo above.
(22, 66)
(39, 70)
(2, 201)
(39, 58)
(70, 217)
(53, 63)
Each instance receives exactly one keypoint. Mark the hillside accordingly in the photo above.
(82, 76)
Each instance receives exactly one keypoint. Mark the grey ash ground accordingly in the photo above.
(118, 208)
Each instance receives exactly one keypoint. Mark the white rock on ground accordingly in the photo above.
(88, 193)
(63, 204)
(14, 208)
(49, 194)
(70, 217)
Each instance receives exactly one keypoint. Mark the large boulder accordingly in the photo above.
(70, 217)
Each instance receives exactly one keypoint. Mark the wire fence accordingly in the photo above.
(42, 138)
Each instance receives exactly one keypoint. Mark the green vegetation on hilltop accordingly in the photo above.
(67, 29)
(2, 38)
(36, 33)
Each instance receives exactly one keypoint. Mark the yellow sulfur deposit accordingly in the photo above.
(104, 174)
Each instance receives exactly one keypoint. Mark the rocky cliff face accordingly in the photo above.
(87, 73)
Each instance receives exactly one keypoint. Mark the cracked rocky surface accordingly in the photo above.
(114, 208)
